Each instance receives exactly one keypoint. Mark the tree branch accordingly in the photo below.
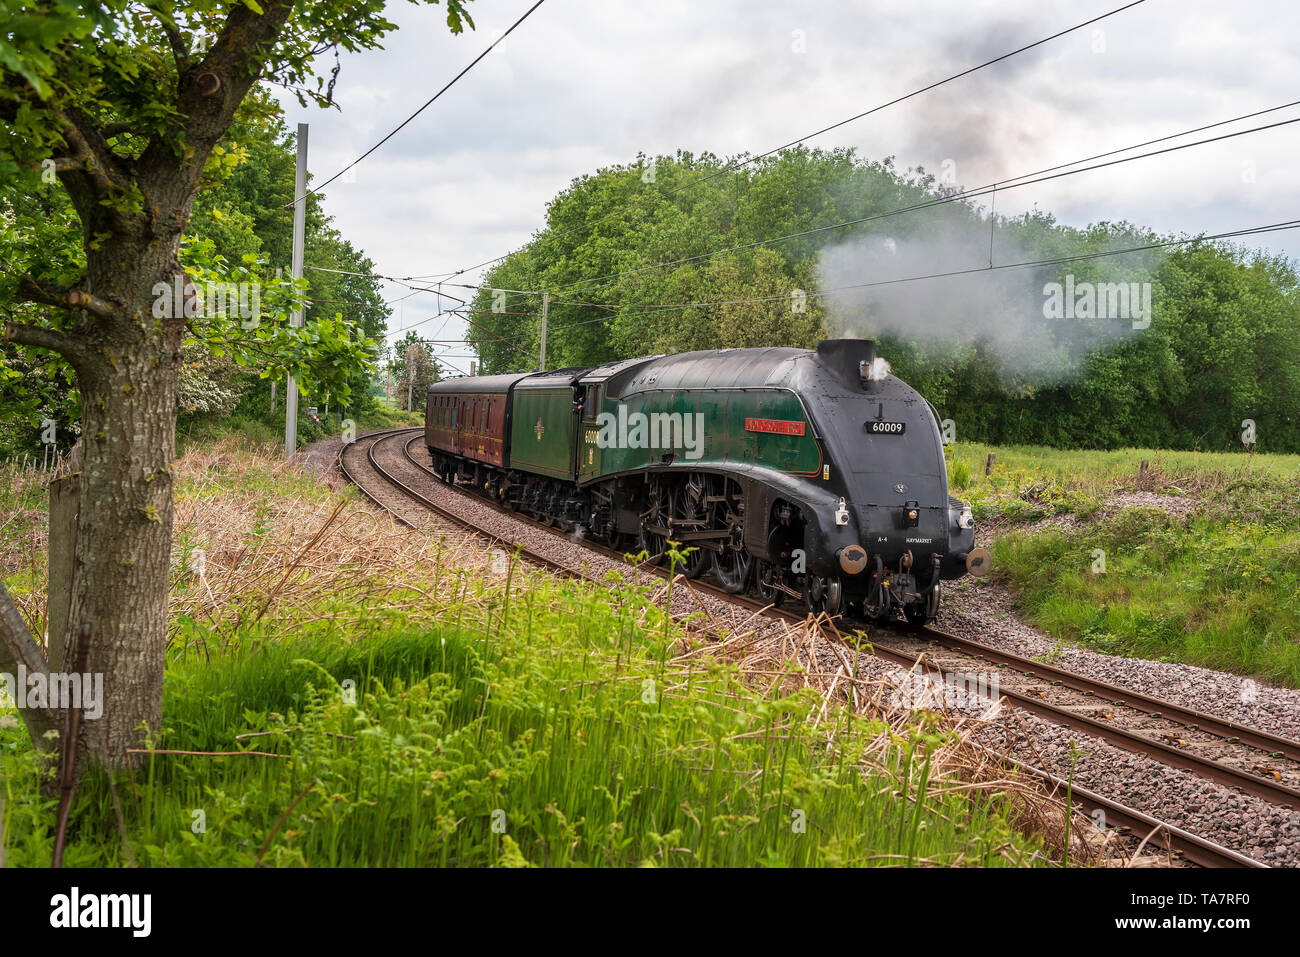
(41, 339)
(210, 92)
(91, 152)
(66, 297)
(180, 53)
(19, 649)
(109, 130)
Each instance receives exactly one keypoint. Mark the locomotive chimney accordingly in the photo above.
(848, 359)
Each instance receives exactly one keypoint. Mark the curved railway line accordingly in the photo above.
(1226, 752)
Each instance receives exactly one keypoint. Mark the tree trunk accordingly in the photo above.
(127, 360)
(124, 525)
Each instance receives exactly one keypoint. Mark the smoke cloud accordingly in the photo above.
(1000, 311)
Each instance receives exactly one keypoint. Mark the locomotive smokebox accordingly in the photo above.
(845, 358)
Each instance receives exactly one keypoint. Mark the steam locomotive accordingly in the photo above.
(812, 475)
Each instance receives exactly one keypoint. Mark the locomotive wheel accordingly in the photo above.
(658, 513)
(698, 559)
(732, 568)
(767, 578)
(653, 544)
(824, 595)
(922, 614)
(876, 610)
(915, 615)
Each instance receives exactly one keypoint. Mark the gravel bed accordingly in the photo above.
(321, 457)
(985, 611)
(989, 529)
(1266, 832)
(1178, 505)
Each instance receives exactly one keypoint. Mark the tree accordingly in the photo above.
(414, 370)
(126, 104)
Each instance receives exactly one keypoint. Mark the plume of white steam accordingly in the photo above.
(999, 311)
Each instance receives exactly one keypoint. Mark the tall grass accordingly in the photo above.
(409, 704)
(560, 730)
(1214, 582)
(1029, 482)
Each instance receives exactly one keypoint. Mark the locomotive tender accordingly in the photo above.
(810, 474)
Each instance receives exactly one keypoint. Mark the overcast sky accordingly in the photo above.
(588, 83)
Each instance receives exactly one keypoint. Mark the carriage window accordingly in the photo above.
(484, 421)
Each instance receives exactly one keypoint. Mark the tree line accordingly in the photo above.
(625, 249)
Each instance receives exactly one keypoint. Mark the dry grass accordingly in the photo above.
(278, 556)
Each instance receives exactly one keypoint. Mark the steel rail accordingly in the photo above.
(1194, 720)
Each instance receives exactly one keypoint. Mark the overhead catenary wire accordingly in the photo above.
(844, 122)
(1046, 174)
(1025, 179)
(1062, 260)
(1011, 182)
(465, 314)
(965, 195)
(1049, 173)
(429, 102)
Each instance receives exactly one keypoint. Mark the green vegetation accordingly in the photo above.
(400, 697)
(1219, 348)
(269, 435)
(1214, 592)
(551, 727)
(1215, 582)
(238, 222)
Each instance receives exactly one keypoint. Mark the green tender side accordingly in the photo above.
(723, 437)
(543, 430)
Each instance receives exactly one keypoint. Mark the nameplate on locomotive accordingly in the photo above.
(777, 426)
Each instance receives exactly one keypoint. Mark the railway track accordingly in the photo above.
(1231, 754)
(1212, 747)
(360, 465)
